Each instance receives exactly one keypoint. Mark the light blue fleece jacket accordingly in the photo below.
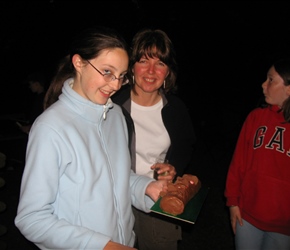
(77, 187)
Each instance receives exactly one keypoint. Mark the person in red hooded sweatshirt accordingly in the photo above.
(258, 180)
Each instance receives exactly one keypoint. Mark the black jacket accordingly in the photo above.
(176, 120)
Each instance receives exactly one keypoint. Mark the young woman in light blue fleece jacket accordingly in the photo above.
(77, 187)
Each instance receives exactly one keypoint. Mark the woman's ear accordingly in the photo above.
(167, 73)
(77, 62)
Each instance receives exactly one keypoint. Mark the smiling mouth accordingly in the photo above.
(106, 93)
(149, 80)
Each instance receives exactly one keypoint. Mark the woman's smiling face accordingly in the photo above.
(150, 73)
(91, 84)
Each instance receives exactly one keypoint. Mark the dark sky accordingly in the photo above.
(224, 48)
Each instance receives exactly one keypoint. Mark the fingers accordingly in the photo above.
(164, 171)
(235, 217)
(164, 167)
(158, 187)
(171, 171)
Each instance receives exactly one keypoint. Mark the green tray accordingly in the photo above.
(191, 210)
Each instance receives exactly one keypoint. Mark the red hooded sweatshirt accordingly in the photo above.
(258, 179)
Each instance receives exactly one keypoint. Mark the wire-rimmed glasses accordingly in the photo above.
(109, 77)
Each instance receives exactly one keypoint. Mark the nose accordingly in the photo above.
(151, 68)
(115, 84)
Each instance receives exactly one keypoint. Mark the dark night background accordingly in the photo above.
(224, 47)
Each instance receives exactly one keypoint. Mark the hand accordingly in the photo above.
(235, 216)
(155, 187)
(165, 171)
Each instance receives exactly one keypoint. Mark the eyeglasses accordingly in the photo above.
(109, 77)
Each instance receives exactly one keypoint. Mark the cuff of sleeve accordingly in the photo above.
(232, 201)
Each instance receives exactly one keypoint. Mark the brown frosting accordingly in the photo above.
(179, 193)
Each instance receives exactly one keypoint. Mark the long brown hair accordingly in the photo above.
(88, 44)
